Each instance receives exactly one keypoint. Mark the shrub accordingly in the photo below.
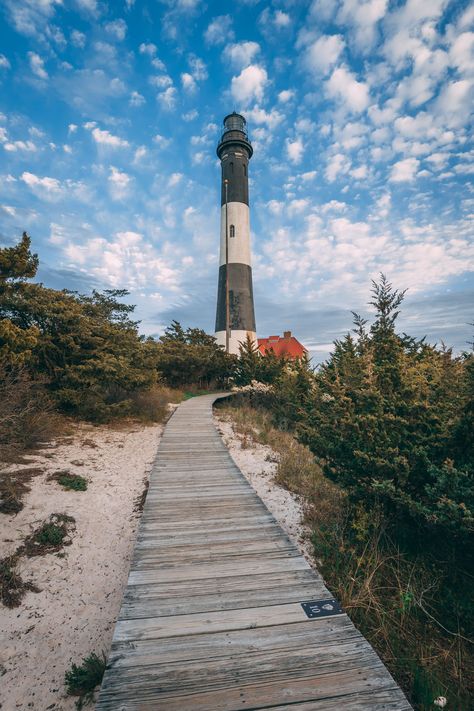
(153, 405)
(191, 356)
(81, 680)
(27, 417)
(86, 350)
(70, 481)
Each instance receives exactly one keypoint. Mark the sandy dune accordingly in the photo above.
(74, 614)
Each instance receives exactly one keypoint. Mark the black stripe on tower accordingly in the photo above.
(242, 316)
(235, 151)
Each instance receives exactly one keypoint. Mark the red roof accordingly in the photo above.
(286, 346)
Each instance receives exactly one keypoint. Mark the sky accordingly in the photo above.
(359, 115)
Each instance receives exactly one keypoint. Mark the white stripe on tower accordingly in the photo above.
(239, 240)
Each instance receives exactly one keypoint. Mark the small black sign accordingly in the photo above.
(322, 608)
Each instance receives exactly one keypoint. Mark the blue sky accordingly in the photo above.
(359, 114)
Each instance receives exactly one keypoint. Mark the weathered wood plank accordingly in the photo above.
(211, 618)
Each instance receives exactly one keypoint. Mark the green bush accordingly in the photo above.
(81, 680)
(86, 350)
(71, 481)
(193, 357)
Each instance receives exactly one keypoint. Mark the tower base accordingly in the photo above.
(236, 338)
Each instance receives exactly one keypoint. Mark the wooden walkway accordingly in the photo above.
(211, 618)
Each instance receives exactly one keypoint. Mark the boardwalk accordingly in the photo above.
(211, 618)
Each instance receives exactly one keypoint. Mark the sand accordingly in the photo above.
(258, 463)
(81, 593)
(75, 612)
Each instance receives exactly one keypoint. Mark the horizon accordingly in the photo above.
(359, 115)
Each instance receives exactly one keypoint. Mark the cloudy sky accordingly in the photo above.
(358, 111)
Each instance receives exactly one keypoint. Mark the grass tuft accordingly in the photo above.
(153, 405)
(12, 587)
(82, 680)
(13, 486)
(75, 482)
(50, 537)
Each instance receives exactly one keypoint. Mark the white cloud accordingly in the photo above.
(323, 53)
(404, 171)
(344, 86)
(275, 207)
(285, 96)
(198, 67)
(127, 259)
(27, 146)
(455, 102)
(362, 17)
(219, 30)
(136, 99)
(322, 9)
(294, 150)
(281, 19)
(334, 206)
(188, 82)
(240, 55)
(250, 84)
(161, 81)
(78, 39)
(161, 141)
(309, 175)
(140, 153)
(119, 183)
(461, 53)
(175, 178)
(270, 21)
(87, 5)
(48, 185)
(260, 117)
(190, 115)
(167, 98)
(30, 17)
(148, 48)
(4, 62)
(37, 65)
(360, 173)
(117, 28)
(296, 207)
(105, 138)
(72, 128)
(337, 164)
(438, 160)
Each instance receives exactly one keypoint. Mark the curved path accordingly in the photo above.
(212, 617)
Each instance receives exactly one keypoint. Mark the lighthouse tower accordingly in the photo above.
(235, 317)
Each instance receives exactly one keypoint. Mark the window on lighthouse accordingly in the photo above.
(232, 231)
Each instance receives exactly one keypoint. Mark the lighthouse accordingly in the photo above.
(235, 317)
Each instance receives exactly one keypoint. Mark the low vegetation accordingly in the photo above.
(75, 482)
(386, 471)
(50, 537)
(82, 680)
(12, 586)
(391, 594)
(14, 484)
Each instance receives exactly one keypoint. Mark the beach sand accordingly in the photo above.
(82, 586)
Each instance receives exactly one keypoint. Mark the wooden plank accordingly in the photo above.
(211, 619)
